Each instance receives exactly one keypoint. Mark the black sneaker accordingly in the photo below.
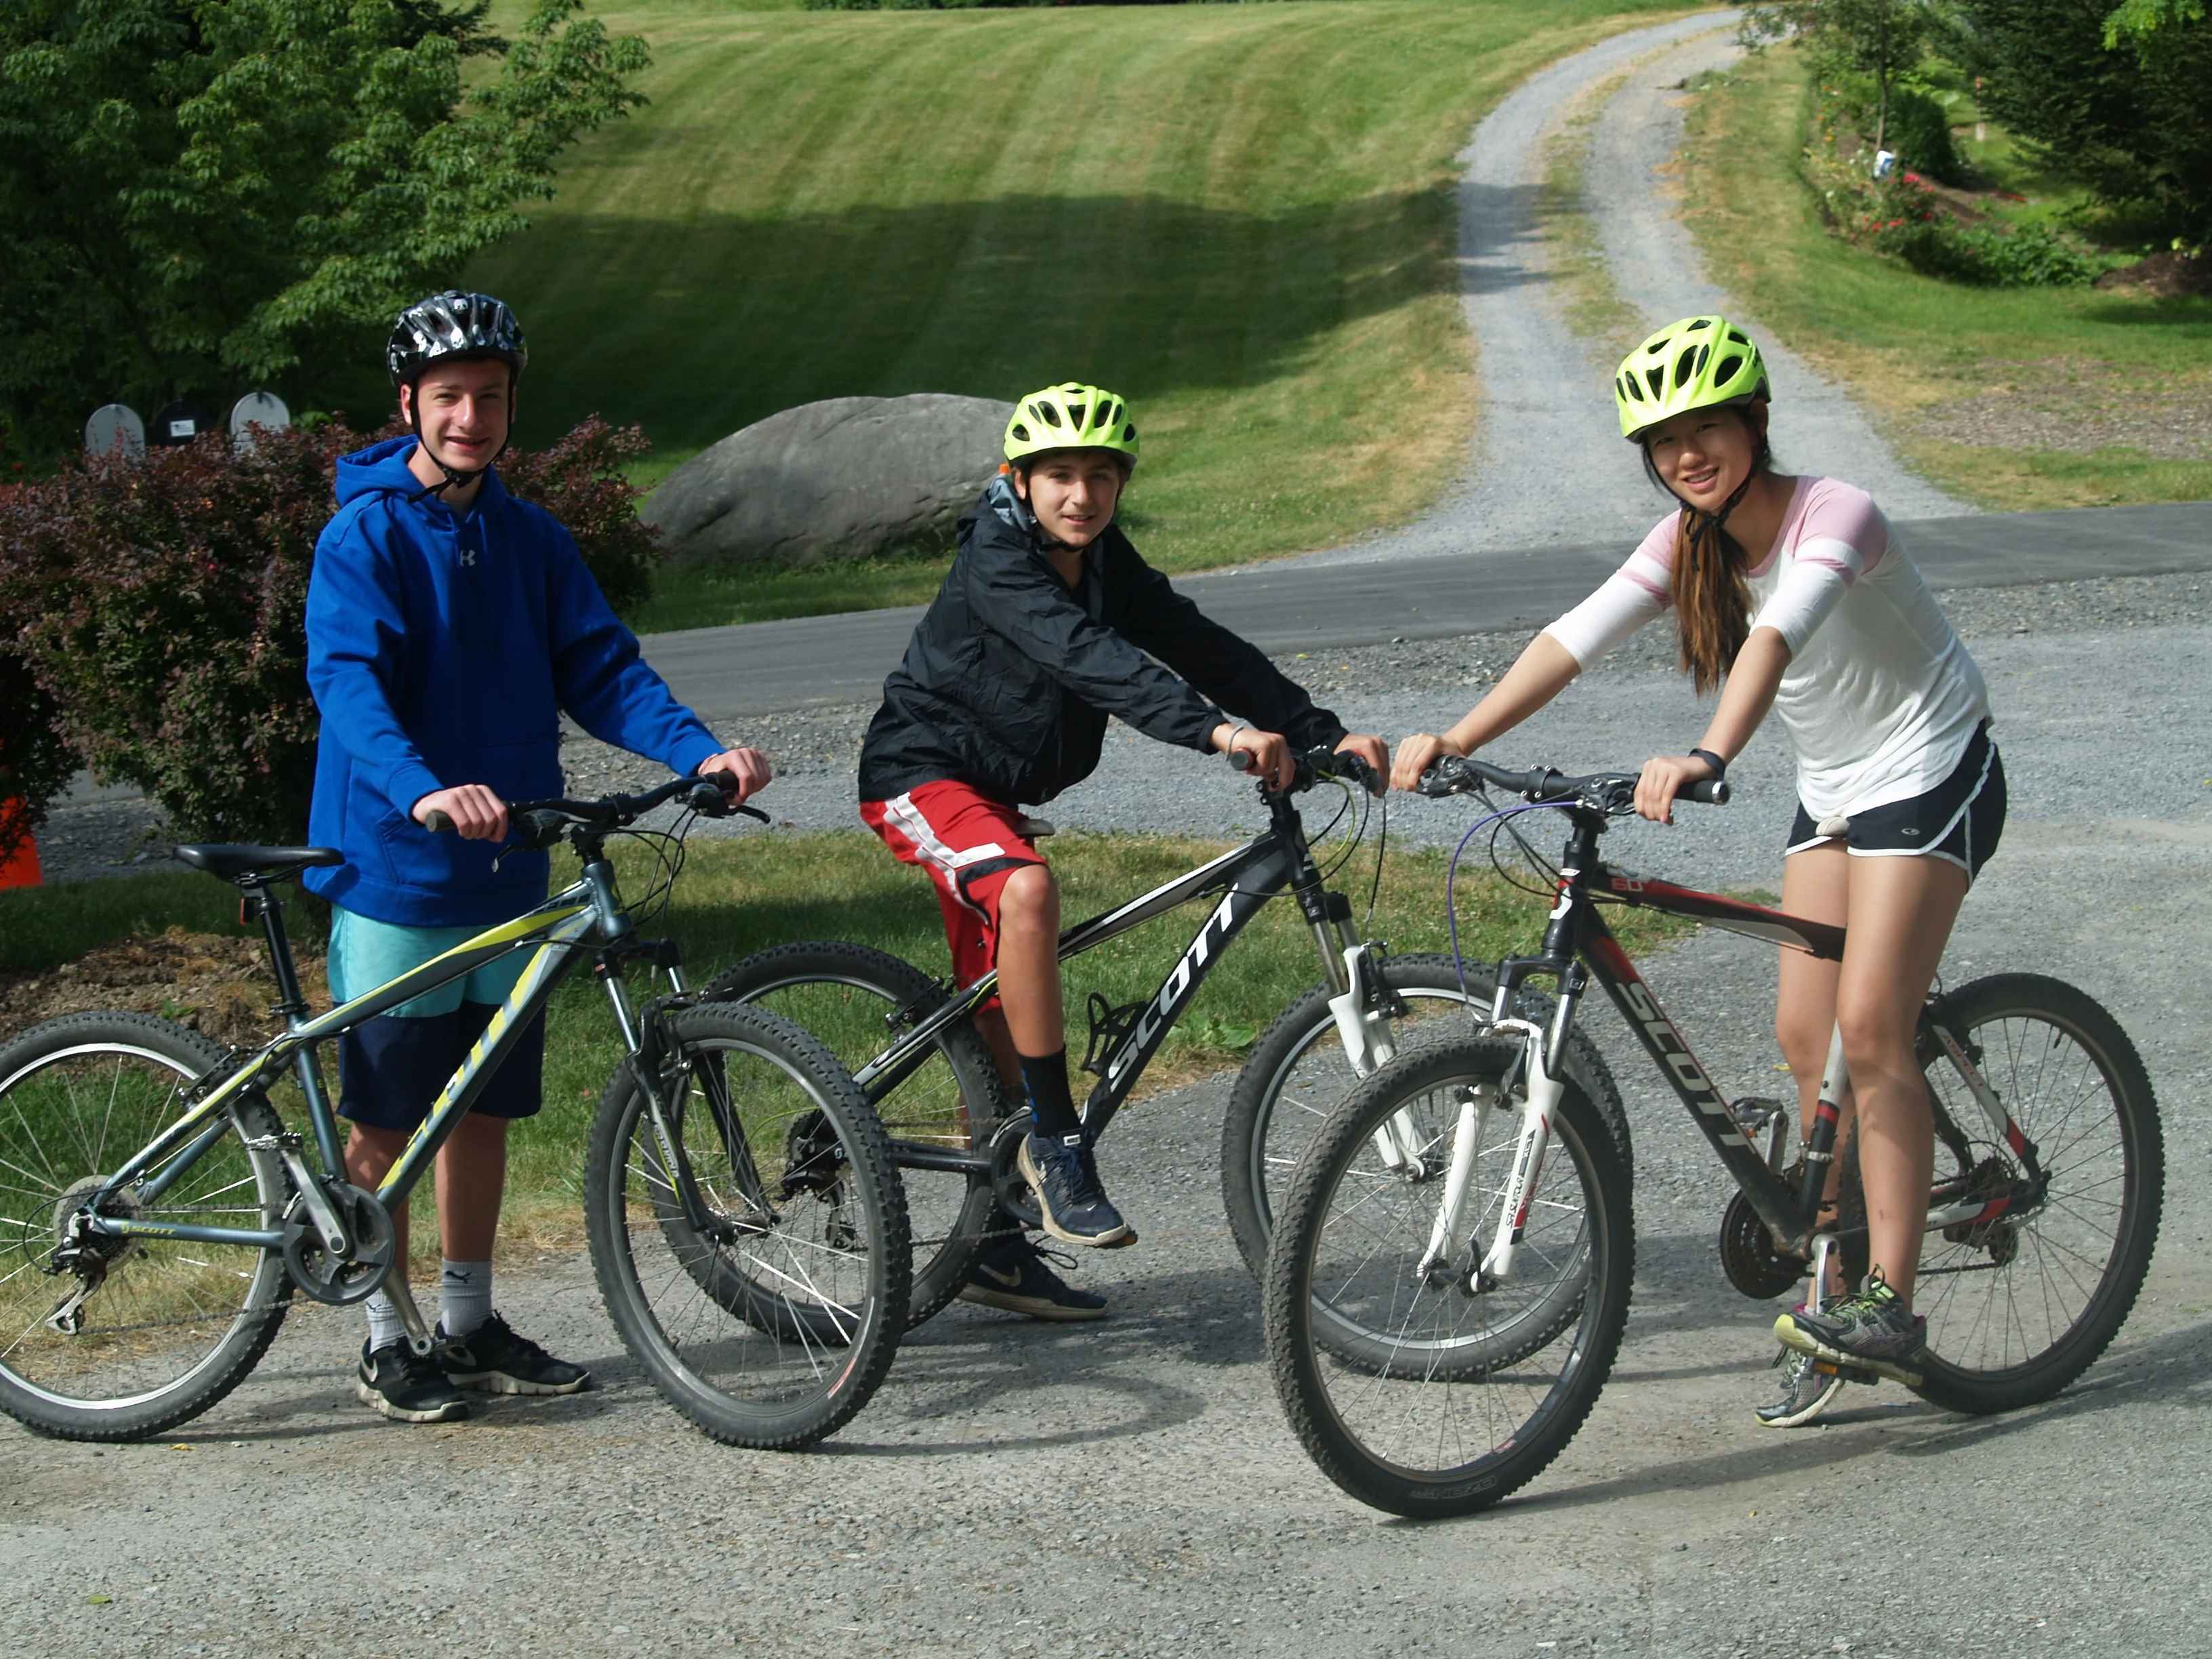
(493, 1359)
(1065, 1178)
(1011, 1274)
(407, 1387)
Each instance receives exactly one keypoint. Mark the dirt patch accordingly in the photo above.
(2167, 276)
(2079, 407)
(220, 986)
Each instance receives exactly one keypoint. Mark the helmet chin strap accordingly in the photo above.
(456, 477)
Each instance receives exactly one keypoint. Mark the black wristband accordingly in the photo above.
(1719, 766)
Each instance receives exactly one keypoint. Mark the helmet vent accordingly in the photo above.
(1129, 433)
(1704, 352)
(1684, 366)
(1021, 432)
(1657, 379)
(1051, 415)
(1697, 323)
(1729, 365)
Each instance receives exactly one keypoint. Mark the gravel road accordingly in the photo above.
(1515, 493)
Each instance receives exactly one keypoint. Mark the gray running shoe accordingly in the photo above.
(1805, 1392)
(1872, 1328)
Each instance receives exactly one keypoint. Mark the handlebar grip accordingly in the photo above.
(1712, 791)
(1241, 760)
(437, 823)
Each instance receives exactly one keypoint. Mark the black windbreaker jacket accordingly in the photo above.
(1010, 676)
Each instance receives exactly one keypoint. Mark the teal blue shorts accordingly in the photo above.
(366, 953)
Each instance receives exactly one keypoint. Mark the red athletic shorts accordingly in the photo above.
(969, 844)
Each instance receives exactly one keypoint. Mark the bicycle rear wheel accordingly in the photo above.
(2019, 1306)
(1298, 1073)
(168, 1326)
(762, 1281)
(1412, 1393)
(847, 996)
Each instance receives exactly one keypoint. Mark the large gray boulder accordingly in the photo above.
(846, 478)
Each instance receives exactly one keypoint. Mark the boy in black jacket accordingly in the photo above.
(1041, 631)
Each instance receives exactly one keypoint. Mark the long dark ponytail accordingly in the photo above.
(1712, 600)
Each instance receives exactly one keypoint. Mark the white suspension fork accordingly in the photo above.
(1456, 1217)
(1368, 1046)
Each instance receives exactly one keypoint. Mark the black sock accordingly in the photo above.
(1044, 1080)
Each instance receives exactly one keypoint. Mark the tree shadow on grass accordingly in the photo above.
(699, 328)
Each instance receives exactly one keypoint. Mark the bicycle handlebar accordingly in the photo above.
(546, 818)
(1319, 765)
(1453, 774)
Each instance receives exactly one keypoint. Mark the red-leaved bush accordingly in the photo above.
(159, 603)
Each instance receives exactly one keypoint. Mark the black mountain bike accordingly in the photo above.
(158, 1216)
(910, 1043)
(1440, 1327)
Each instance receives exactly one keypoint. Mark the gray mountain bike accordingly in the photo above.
(158, 1216)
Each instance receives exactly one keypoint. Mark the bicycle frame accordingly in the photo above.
(586, 916)
(1578, 946)
(1246, 879)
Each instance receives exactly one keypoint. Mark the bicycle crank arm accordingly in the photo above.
(410, 1316)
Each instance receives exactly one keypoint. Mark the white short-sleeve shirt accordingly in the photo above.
(1880, 698)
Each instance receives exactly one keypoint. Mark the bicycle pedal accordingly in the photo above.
(1858, 1374)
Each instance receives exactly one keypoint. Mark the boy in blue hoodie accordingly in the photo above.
(448, 626)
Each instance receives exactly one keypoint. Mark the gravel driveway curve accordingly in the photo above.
(1516, 494)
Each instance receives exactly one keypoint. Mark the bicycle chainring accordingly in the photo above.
(1749, 1256)
(340, 1281)
(1013, 1192)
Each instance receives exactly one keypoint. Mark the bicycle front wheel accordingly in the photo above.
(165, 1327)
(1298, 1073)
(849, 996)
(2019, 1306)
(756, 1261)
(1412, 1392)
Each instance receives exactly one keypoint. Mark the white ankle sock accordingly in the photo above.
(384, 1326)
(463, 1296)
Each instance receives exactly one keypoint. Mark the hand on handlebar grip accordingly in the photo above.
(1266, 753)
(470, 811)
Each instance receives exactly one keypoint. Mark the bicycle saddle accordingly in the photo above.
(233, 860)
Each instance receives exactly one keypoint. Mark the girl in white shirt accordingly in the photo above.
(1795, 592)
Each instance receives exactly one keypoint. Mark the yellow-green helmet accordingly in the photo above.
(1071, 415)
(1698, 364)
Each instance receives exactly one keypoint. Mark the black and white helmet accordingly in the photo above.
(453, 325)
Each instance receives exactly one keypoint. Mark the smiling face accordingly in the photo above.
(463, 408)
(1703, 455)
(1074, 493)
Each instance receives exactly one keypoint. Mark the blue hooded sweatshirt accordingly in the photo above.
(442, 649)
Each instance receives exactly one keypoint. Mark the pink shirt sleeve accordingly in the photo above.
(1630, 597)
(1841, 537)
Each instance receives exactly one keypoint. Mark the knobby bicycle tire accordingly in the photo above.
(1260, 1140)
(178, 1325)
(845, 995)
(1416, 1367)
(1997, 1296)
(806, 1211)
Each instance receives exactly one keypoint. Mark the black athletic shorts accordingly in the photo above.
(1959, 819)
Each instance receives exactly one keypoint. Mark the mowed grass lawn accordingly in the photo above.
(744, 894)
(2015, 398)
(1243, 217)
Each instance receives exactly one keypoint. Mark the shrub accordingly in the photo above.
(1920, 133)
(159, 602)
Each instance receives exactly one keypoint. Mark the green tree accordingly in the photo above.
(198, 195)
(1879, 39)
(2131, 119)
